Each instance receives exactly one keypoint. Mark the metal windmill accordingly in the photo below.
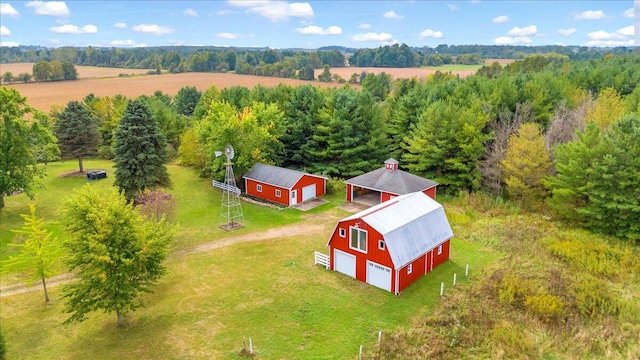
(231, 209)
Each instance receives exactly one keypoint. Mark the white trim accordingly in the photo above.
(278, 193)
(259, 188)
(381, 242)
(342, 232)
(440, 249)
(409, 269)
(397, 282)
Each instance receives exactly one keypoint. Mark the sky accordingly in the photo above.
(313, 24)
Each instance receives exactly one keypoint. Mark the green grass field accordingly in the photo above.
(211, 303)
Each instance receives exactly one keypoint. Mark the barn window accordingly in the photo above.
(259, 188)
(439, 249)
(381, 244)
(343, 232)
(358, 239)
(278, 194)
(409, 269)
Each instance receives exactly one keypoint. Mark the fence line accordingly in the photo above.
(322, 259)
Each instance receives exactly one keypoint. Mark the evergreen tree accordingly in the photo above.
(140, 152)
(17, 162)
(77, 132)
(115, 253)
(186, 100)
(525, 165)
(301, 117)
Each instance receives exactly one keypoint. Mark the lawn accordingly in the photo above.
(212, 302)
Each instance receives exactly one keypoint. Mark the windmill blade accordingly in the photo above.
(230, 152)
(218, 153)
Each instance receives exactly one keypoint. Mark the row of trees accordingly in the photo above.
(401, 56)
(44, 71)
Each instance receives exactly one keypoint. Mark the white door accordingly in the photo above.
(308, 192)
(344, 263)
(293, 198)
(378, 275)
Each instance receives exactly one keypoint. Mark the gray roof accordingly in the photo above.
(277, 176)
(411, 224)
(396, 182)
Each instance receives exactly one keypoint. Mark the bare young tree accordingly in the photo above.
(565, 122)
(506, 124)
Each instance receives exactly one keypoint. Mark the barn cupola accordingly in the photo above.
(391, 165)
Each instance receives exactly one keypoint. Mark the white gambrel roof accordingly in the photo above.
(411, 224)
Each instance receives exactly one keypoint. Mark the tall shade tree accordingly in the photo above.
(140, 152)
(447, 143)
(17, 162)
(606, 108)
(108, 110)
(525, 164)
(38, 255)
(115, 253)
(45, 144)
(77, 132)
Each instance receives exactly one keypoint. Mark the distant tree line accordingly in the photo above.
(44, 71)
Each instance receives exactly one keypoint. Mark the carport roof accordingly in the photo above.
(395, 182)
(277, 176)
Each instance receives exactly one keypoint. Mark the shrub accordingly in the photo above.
(546, 307)
(593, 298)
(335, 185)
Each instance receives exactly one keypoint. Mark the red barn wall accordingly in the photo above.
(384, 196)
(373, 252)
(444, 256)
(306, 180)
(268, 192)
(431, 192)
(349, 192)
(417, 272)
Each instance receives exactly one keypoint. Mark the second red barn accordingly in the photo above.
(392, 244)
(284, 186)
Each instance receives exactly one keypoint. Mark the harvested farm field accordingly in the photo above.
(43, 96)
(396, 73)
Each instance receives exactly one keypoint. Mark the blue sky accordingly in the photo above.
(312, 24)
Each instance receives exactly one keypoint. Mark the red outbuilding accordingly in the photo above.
(385, 183)
(283, 186)
(392, 244)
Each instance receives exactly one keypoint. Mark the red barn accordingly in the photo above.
(392, 244)
(283, 186)
(386, 183)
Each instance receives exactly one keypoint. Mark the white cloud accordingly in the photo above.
(364, 26)
(428, 33)
(506, 40)
(629, 13)
(275, 10)
(8, 10)
(223, 12)
(453, 7)
(372, 37)
(72, 29)
(500, 19)
(567, 32)
(120, 25)
(191, 12)
(609, 43)
(525, 31)
(153, 29)
(317, 30)
(603, 35)
(590, 15)
(393, 15)
(4, 31)
(122, 43)
(49, 8)
(626, 31)
(231, 36)
(9, 44)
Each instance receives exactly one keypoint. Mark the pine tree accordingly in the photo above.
(115, 253)
(77, 132)
(140, 152)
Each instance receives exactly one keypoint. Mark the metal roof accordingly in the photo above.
(411, 224)
(273, 175)
(396, 182)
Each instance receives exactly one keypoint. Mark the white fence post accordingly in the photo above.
(466, 271)
(441, 289)
(360, 354)
(250, 346)
(379, 336)
(454, 278)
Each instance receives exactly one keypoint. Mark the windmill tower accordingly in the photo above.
(231, 209)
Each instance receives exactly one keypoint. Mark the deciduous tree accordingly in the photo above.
(77, 132)
(140, 152)
(39, 254)
(17, 162)
(525, 164)
(115, 253)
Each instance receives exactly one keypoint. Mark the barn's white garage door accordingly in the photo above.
(308, 192)
(344, 263)
(378, 275)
